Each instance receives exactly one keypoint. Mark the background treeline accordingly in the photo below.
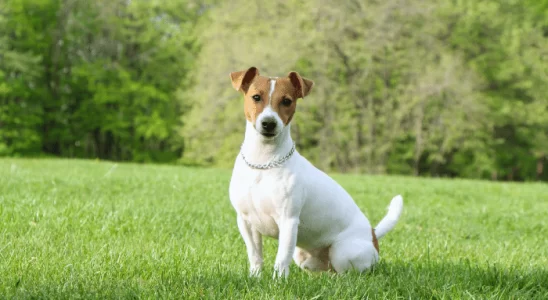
(423, 87)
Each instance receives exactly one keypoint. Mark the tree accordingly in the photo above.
(20, 69)
(104, 78)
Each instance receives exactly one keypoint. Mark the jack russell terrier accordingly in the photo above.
(278, 193)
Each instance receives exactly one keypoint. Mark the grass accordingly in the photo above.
(89, 229)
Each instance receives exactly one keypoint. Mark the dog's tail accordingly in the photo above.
(391, 218)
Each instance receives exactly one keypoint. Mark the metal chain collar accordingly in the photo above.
(271, 164)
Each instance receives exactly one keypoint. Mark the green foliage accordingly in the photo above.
(103, 230)
(436, 88)
(506, 43)
(20, 109)
(95, 79)
(430, 88)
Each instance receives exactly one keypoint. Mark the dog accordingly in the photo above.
(278, 193)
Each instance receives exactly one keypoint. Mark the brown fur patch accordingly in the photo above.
(283, 89)
(321, 257)
(375, 241)
(250, 83)
(260, 86)
(302, 85)
(242, 79)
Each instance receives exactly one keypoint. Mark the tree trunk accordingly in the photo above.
(540, 167)
(419, 142)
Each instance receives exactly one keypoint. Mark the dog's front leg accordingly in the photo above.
(287, 241)
(254, 244)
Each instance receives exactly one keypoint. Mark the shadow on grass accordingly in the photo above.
(415, 280)
(394, 279)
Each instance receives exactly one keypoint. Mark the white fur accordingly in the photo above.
(307, 211)
(272, 87)
(269, 114)
(390, 220)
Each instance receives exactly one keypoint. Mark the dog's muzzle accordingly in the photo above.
(268, 123)
(268, 127)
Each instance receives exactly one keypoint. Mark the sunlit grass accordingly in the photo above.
(88, 229)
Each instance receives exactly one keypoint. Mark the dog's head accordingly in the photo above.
(270, 102)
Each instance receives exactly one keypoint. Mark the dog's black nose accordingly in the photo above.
(269, 125)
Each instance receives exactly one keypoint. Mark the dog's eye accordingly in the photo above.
(257, 98)
(286, 102)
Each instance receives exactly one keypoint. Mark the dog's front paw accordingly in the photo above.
(255, 271)
(280, 271)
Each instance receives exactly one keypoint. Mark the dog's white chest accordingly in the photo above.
(259, 196)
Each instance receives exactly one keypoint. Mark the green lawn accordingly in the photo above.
(88, 229)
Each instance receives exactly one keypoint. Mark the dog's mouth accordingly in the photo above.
(268, 134)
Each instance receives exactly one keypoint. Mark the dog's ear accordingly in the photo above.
(241, 80)
(302, 84)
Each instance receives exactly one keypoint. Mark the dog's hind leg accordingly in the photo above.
(314, 261)
(353, 254)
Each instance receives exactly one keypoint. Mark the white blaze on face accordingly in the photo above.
(272, 87)
(268, 114)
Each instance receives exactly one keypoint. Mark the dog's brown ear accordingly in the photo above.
(302, 84)
(241, 80)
